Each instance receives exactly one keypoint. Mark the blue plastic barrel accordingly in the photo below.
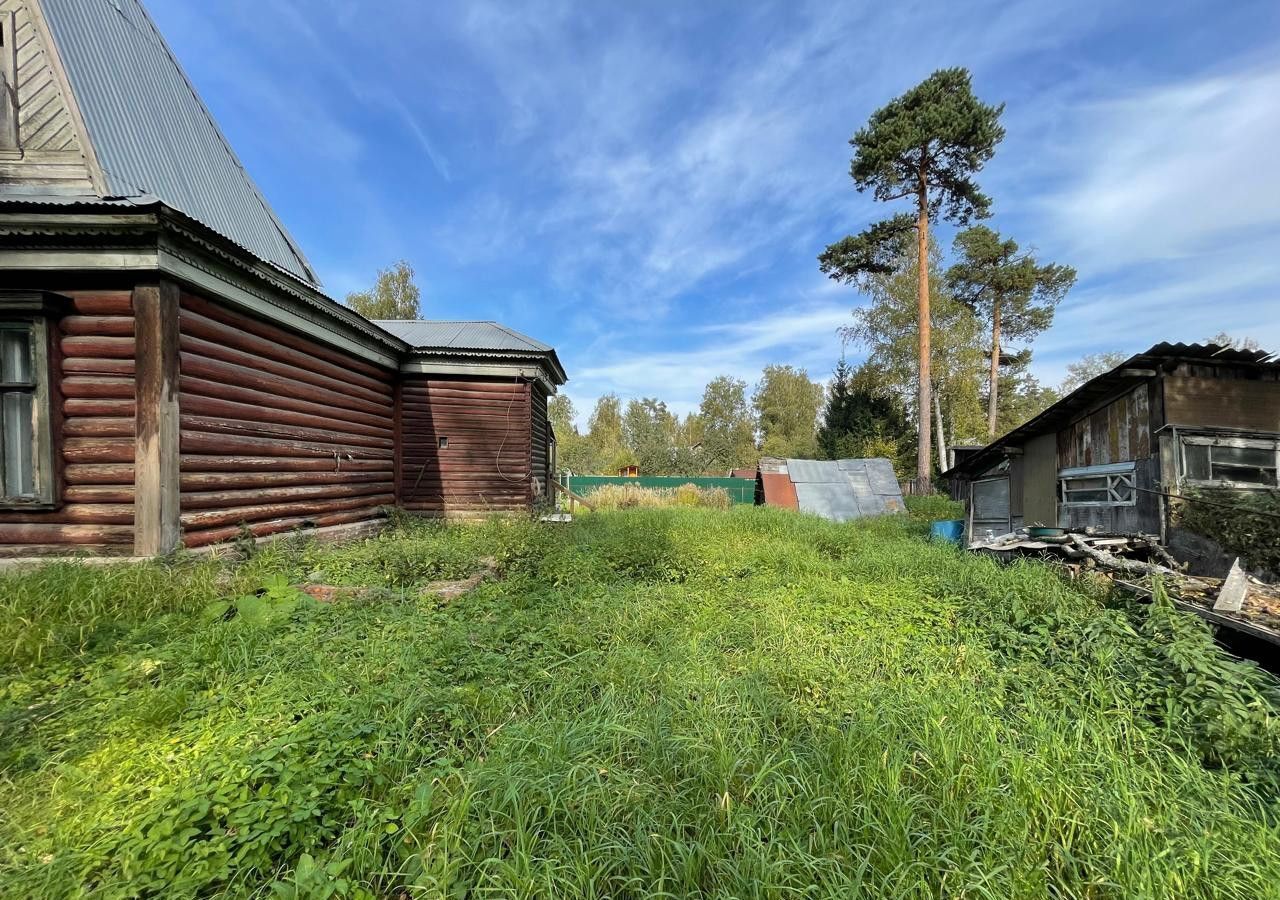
(948, 530)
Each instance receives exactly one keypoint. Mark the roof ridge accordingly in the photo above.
(169, 145)
(307, 268)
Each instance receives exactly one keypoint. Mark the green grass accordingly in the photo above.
(742, 703)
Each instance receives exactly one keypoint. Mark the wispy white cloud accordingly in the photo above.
(647, 186)
(802, 335)
(1173, 171)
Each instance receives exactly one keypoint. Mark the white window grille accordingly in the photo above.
(1107, 485)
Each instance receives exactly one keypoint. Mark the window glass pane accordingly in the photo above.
(1092, 483)
(1244, 456)
(1243, 474)
(1197, 460)
(1088, 496)
(19, 477)
(15, 355)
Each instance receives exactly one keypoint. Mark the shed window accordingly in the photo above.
(26, 448)
(1230, 462)
(1109, 485)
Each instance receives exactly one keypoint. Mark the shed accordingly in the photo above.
(177, 373)
(840, 489)
(1114, 453)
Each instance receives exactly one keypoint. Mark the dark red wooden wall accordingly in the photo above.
(486, 466)
(93, 425)
(277, 431)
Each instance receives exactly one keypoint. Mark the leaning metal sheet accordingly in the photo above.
(831, 501)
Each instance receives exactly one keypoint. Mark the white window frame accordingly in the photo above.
(1205, 440)
(1121, 479)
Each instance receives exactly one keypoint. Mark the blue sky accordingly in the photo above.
(647, 186)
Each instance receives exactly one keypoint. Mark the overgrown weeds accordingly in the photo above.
(746, 703)
(631, 496)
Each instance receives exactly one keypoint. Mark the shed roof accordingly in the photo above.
(479, 339)
(426, 334)
(1125, 376)
(151, 134)
(836, 489)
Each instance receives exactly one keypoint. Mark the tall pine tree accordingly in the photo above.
(925, 146)
(1008, 289)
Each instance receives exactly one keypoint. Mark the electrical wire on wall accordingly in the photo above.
(497, 459)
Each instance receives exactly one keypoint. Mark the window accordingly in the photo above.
(1109, 485)
(1230, 462)
(26, 449)
(443, 442)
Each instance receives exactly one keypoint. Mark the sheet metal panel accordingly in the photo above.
(151, 132)
(779, 490)
(815, 471)
(882, 478)
(831, 501)
(461, 336)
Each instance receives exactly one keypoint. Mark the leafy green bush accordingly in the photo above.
(1243, 523)
(933, 508)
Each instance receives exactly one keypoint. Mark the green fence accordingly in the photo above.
(741, 490)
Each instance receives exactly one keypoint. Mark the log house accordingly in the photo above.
(171, 372)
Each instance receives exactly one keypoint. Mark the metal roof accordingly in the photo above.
(1133, 371)
(778, 490)
(479, 339)
(151, 133)
(836, 489)
(424, 334)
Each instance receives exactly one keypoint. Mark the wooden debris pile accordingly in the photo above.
(1106, 550)
(1133, 561)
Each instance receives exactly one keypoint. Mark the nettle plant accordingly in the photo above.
(1243, 524)
(273, 602)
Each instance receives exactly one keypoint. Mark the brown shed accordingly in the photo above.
(1113, 453)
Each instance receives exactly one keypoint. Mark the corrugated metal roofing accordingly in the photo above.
(430, 335)
(1122, 377)
(150, 131)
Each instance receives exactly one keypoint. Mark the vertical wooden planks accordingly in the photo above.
(157, 528)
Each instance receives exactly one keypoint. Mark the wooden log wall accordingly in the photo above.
(277, 431)
(487, 464)
(540, 438)
(93, 425)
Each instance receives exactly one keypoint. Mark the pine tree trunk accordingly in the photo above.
(992, 407)
(924, 462)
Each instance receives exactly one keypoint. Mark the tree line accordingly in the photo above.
(860, 412)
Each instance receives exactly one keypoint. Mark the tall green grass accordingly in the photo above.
(747, 703)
